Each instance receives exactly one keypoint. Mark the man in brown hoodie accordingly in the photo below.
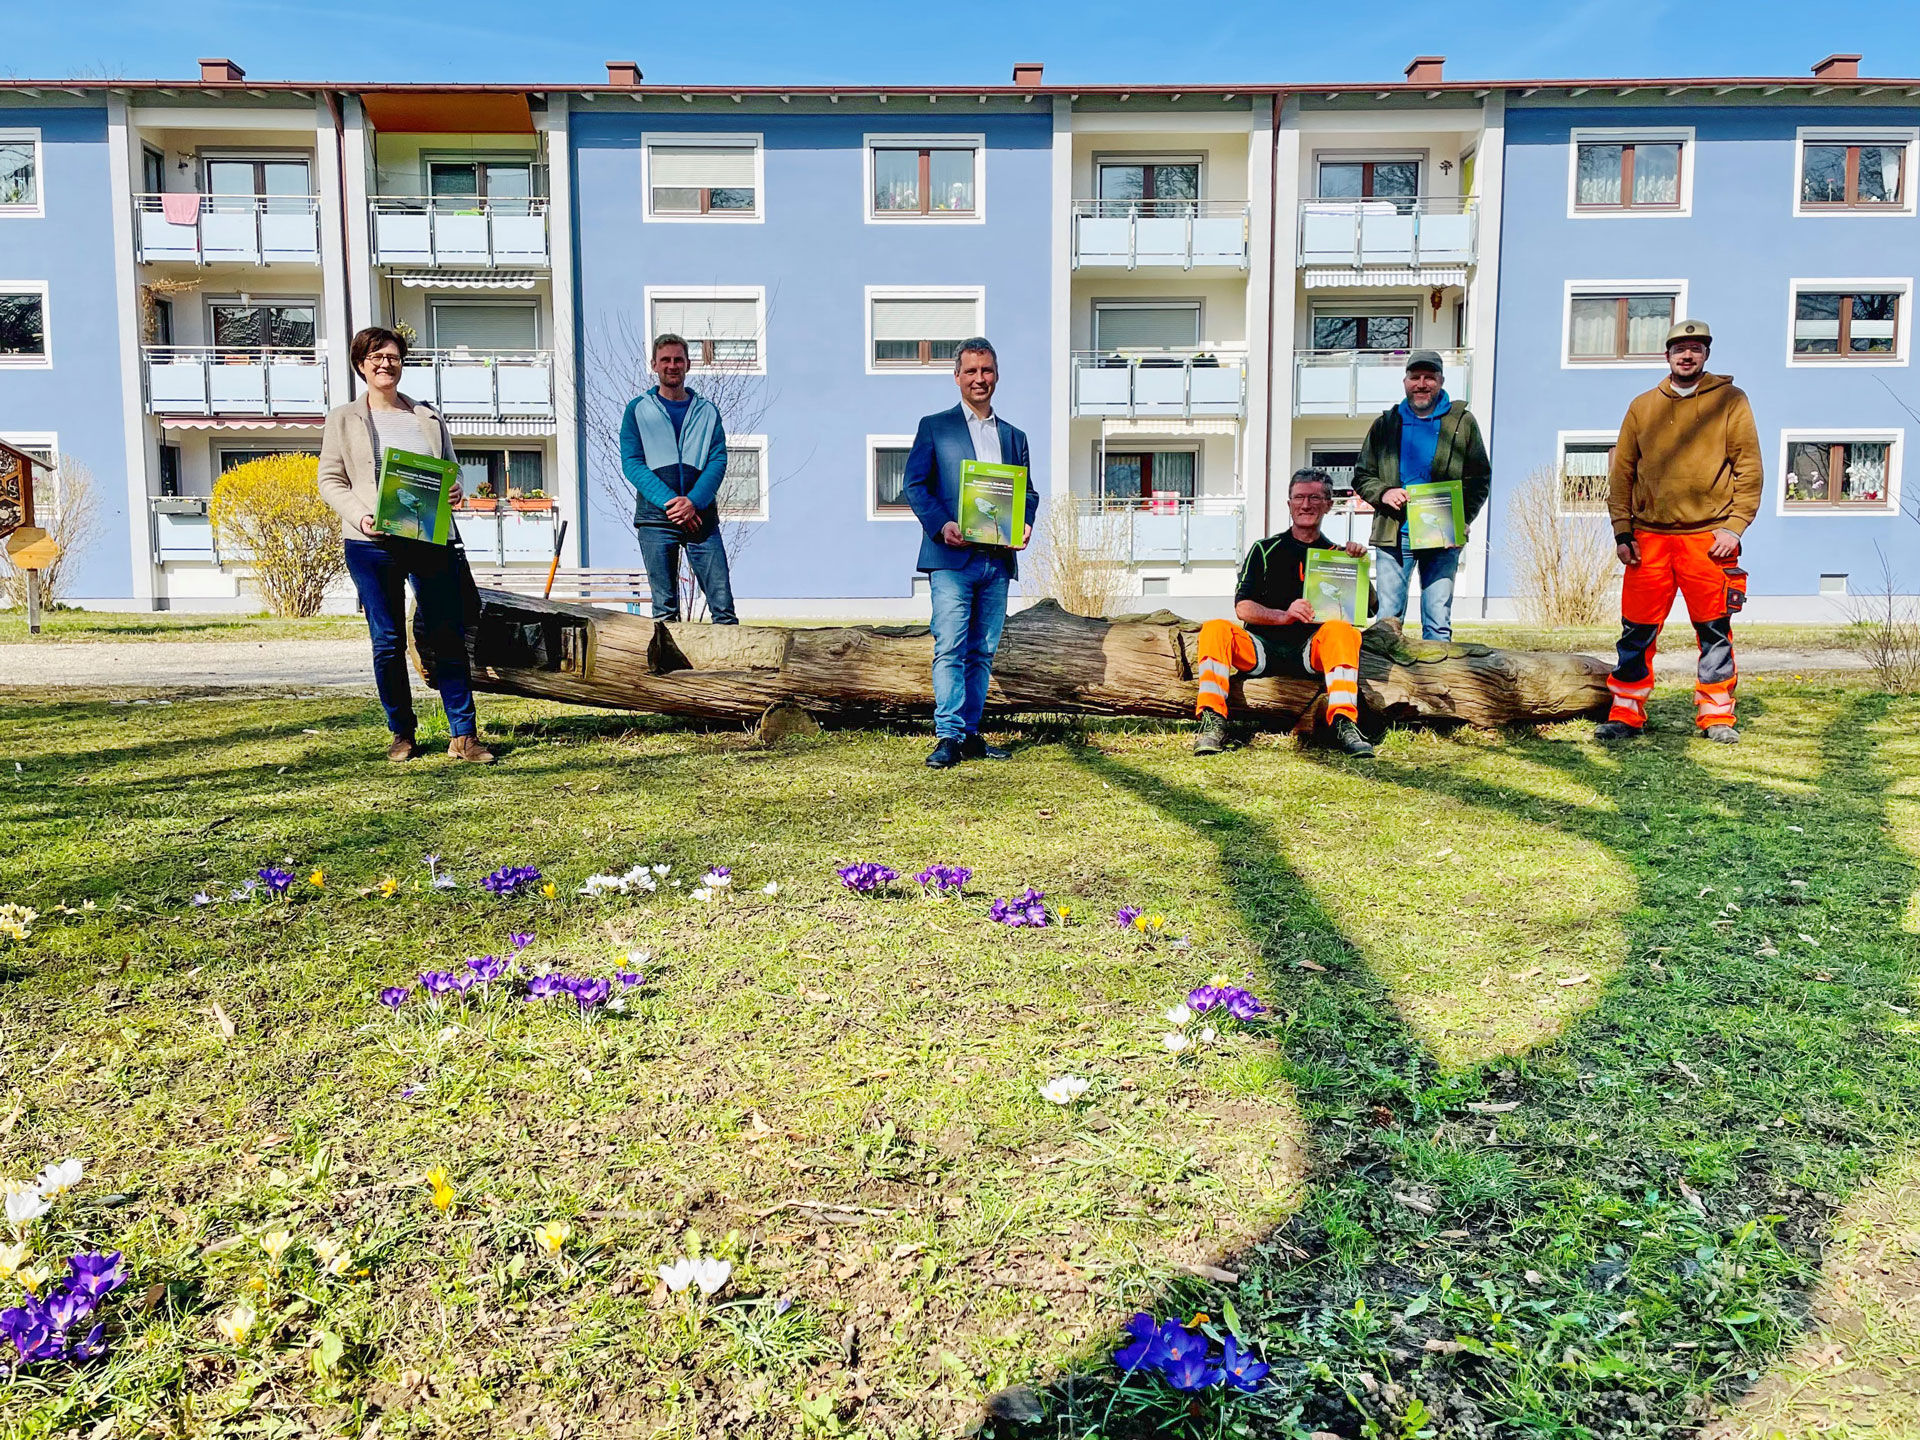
(1684, 485)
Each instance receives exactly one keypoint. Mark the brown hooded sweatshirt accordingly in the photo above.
(1686, 463)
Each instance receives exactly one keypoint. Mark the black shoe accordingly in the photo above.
(975, 747)
(1610, 730)
(1212, 738)
(1349, 738)
(945, 755)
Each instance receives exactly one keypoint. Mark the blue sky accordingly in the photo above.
(861, 41)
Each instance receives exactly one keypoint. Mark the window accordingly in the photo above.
(1369, 179)
(1866, 173)
(920, 330)
(1147, 187)
(1620, 327)
(153, 171)
(1140, 474)
(703, 177)
(506, 186)
(1172, 325)
(257, 325)
(169, 469)
(1840, 472)
(20, 173)
(279, 186)
(887, 477)
(486, 326)
(227, 459)
(743, 492)
(1363, 332)
(1585, 461)
(1339, 461)
(23, 325)
(502, 472)
(1631, 172)
(936, 177)
(1854, 324)
(724, 329)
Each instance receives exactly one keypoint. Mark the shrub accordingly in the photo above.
(1564, 565)
(64, 506)
(1884, 631)
(270, 511)
(1079, 558)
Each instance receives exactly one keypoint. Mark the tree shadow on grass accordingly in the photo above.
(1637, 1235)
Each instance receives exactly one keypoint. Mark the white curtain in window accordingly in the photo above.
(1656, 174)
(740, 490)
(702, 167)
(729, 319)
(929, 319)
(1146, 327)
(1598, 182)
(1586, 460)
(1649, 317)
(1594, 326)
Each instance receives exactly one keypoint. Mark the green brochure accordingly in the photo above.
(416, 496)
(993, 504)
(1336, 584)
(1436, 516)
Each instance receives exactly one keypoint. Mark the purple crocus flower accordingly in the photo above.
(438, 982)
(1241, 1005)
(1203, 998)
(942, 878)
(509, 878)
(1126, 915)
(95, 1275)
(394, 996)
(725, 872)
(545, 987)
(1028, 911)
(1183, 1358)
(866, 876)
(589, 993)
(31, 1330)
(1144, 1350)
(519, 939)
(1241, 1369)
(65, 1306)
(627, 977)
(275, 879)
(487, 968)
(81, 1351)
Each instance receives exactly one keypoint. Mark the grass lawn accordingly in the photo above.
(1585, 1106)
(93, 626)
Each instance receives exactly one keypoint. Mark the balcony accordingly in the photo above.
(1160, 234)
(188, 380)
(1160, 384)
(1165, 531)
(475, 385)
(227, 229)
(1364, 382)
(478, 235)
(1393, 235)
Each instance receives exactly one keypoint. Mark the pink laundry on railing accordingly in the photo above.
(180, 208)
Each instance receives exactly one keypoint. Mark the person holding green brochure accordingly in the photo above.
(356, 437)
(1427, 439)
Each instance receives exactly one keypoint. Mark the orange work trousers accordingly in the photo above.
(1669, 565)
(1330, 649)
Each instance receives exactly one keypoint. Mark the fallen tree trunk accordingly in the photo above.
(1049, 660)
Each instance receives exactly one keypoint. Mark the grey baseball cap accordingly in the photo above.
(1426, 360)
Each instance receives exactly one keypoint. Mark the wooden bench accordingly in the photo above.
(627, 588)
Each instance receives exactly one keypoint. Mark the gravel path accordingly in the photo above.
(252, 665)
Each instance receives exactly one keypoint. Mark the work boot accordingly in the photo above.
(1212, 738)
(1725, 734)
(1347, 733)
(975, 747)
(945, 755)
(402, 749)
(469, 748)
(1609, 730)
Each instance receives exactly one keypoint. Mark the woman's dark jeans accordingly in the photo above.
(380, 570)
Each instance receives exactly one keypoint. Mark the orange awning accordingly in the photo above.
(454, 112)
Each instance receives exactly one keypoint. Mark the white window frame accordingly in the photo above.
(1589, 289)
(1907, 135)
(876, 141)
(1421, 157)
(435, 302)
(755, 293)
(735, 139)
(875, 444)
(1894, 440)
(31, 362)
(975, 293)
(1564, 438)
(1123, 445)
(756, 443)
(38, 209)
(1902, 333)
(1630, 135)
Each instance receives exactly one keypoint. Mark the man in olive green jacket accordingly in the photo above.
(1427, 437)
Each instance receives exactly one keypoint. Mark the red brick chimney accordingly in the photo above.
(220, 72)
(1838, 67)
(1425, 69)
(1026, 74)
(624, 74)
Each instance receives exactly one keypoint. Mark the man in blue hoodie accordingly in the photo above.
(1426, 437)
(673, 451)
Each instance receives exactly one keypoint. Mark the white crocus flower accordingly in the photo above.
(677, 1276)
(772, 887)
(56, 1180)
(1207, 1036)
(662, 870)
(25, 1205)
(1179, 1015)
(1064, 1089)
(1175, 1042)
(711, 1274)
(714, 880)
(701, 894)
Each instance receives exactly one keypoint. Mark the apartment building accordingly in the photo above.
(1193, 292)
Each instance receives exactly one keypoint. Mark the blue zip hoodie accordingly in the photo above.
(1419, 439)
(700, 484)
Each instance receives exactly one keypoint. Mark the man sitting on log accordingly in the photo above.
(1278, 634)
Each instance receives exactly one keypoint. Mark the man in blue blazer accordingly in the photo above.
(968, 581)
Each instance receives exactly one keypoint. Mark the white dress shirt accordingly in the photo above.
(985, 433)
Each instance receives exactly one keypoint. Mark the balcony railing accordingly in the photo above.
(1174, 531)
(489, 385)
(1361, 382)
(227, 229)
(1428, 230)
(1160, 234)
(1165, 384)
(191, 380)
(467, 232)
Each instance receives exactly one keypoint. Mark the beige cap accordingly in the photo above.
(1691, 330)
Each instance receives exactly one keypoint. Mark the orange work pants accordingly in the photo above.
(1330, 649)
(1669, 565)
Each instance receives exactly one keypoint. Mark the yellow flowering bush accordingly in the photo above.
(270, 511)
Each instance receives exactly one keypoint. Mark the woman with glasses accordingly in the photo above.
(357, 435)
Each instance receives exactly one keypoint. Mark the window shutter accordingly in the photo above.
(734, 319)
(925, 319)
(703, 167)
(1166, 327)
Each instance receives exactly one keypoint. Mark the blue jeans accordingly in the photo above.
(969, 611)
(380, 571)
(1393, 573)
(660, 548)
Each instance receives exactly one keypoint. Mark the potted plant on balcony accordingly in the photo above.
(481, 497)
(530, 500)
